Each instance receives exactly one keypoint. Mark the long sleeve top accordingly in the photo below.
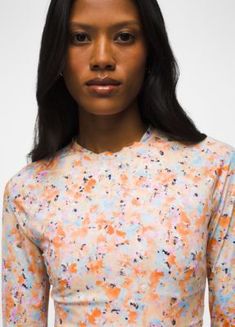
(123, 238)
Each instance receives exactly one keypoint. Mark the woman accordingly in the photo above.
(126, 208)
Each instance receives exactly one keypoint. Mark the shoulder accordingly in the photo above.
(210, 151)
(217, 151)
(217, 160)
(30, 180)
(211, 158)
(27, 180)
(218, 146)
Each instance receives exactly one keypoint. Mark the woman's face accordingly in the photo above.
(104, 48)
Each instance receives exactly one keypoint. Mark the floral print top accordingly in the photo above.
(123, 238)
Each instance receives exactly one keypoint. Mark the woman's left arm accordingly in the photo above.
(221, 247)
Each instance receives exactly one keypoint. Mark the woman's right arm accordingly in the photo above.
(25, 283)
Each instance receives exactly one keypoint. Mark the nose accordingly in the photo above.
(102, 55)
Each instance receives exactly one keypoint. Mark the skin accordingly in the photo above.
(106, 123)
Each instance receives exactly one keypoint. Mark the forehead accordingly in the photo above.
(104, 12)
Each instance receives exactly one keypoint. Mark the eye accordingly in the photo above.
(128, 35)
(77, 38)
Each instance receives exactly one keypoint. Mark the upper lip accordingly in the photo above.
(105, 81)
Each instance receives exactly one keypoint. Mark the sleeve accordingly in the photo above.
(221, 248)
(25, 284)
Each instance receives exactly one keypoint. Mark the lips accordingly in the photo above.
(103, 90)
(105, 81)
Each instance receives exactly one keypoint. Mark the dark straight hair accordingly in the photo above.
(57, 118)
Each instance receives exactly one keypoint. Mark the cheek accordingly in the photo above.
(73, 66)
(73, 72)
(134, 64)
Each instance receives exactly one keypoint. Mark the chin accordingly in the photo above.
(102, 109)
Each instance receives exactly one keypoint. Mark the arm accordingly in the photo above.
(25, 285)
(221, 248)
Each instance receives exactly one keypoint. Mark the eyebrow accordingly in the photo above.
(119, 24)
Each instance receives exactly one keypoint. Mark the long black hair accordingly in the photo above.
(57, 119)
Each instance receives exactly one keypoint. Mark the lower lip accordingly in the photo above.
(103, 89)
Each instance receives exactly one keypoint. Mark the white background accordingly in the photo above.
(202, 36)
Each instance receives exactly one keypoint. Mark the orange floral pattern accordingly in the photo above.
(123, 239)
